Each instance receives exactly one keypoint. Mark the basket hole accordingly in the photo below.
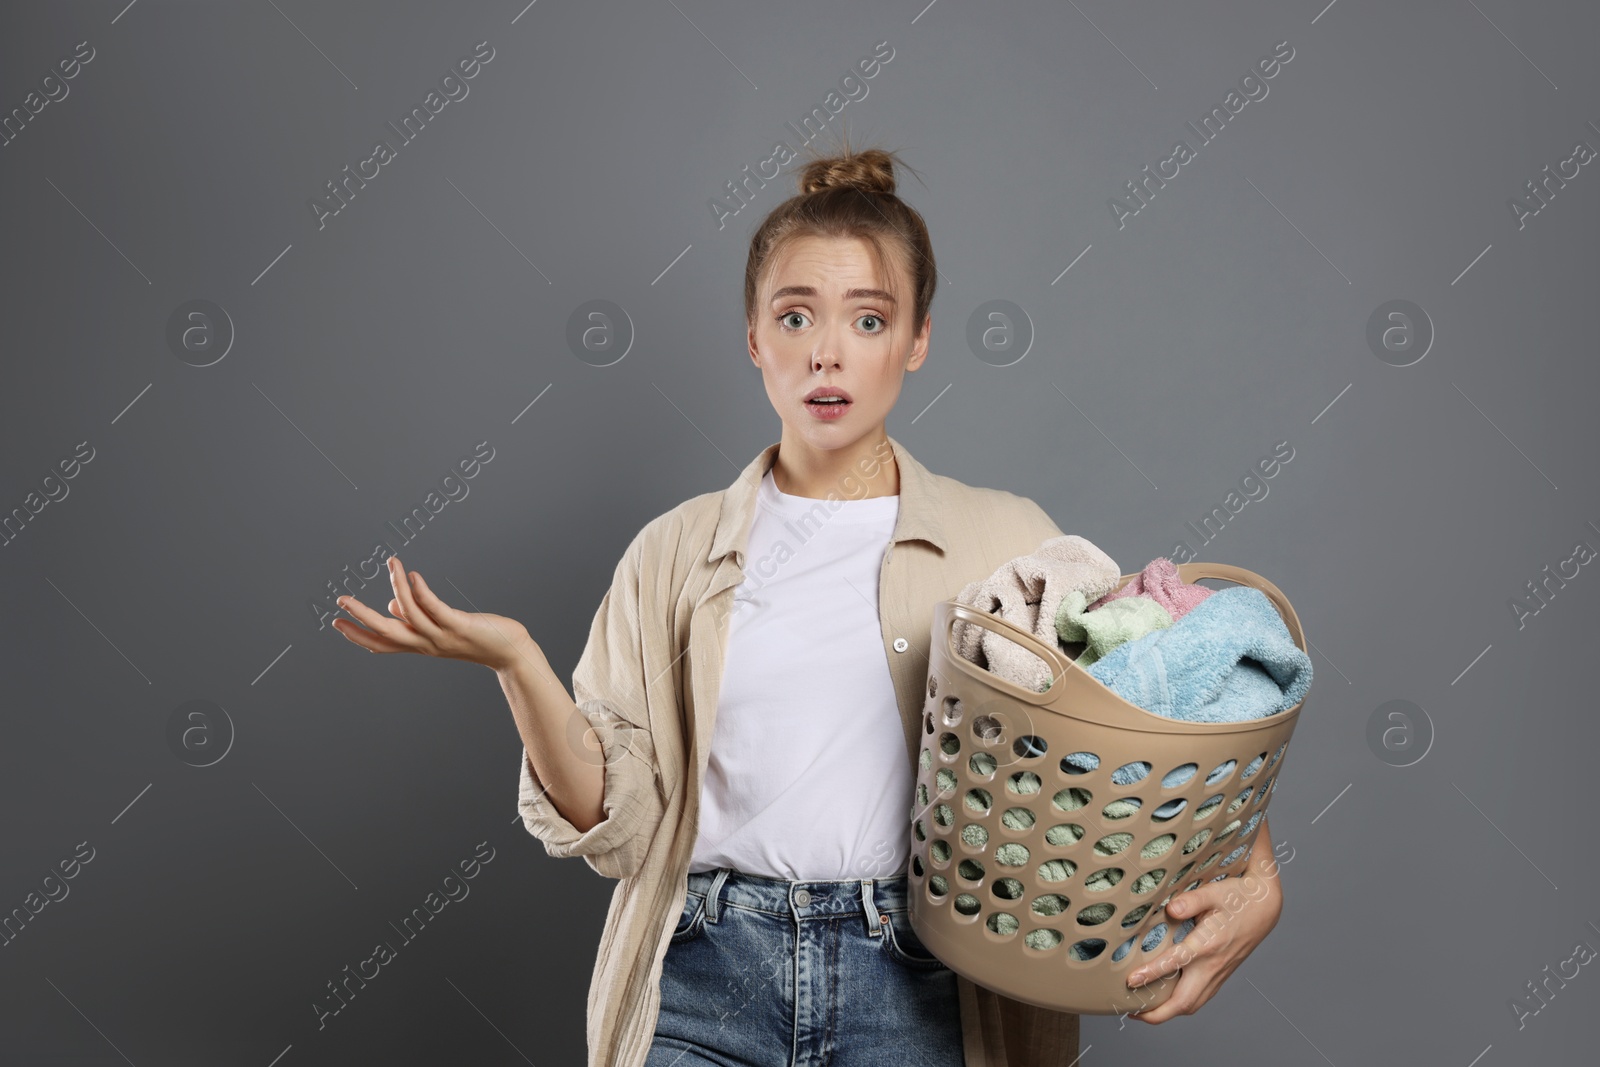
(1123, 949)
(1170, 809)
(975, 835)
(1024, 783)
(1158, 847)
(1029, 746)
(1207, 806)
(1182, 931)
(1066, 833)
(971, 870)
(1071, 799)
(1007, 889)
(1003, 924)
(1175, 878)
(1236, 853)
(1251, 767)
(949, 743)
(1048, 904)
(916, 865)
(1129, 773)
(944, 815)
(979, 800)
(1017, 819)
(1152, 938)
(981, 764)
(1251, 825)
(1227, 831)
(1272, 785)
(1095, 914)
(1057, 870)
(1088, 948)
(916, 828)
(938, 886)
(1222, 771)
(986, 728)
(1011, 854)
(927, 722)
(1133, 917)
(1178, 776)
(952, 711)
(1276, 755)
(1238, 802)
(925, 759)
(1102, 880)
(1122, 808)
(1209, 861)
(967, 904)
(1149, 881)
(1111, 844)
(1043, 939)
(933, 686)
(1079, 762)
(922, 795)
(940, 851)
(945, 780)
(1193, 844)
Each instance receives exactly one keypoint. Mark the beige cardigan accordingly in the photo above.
(648, 682)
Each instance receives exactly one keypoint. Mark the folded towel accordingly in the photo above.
(1159, 581)
(1228, 659)
(1105, 628)
(1027, 592)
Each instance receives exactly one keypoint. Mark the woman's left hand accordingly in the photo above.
(1233, 917)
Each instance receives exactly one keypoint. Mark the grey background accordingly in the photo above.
(1229, 315)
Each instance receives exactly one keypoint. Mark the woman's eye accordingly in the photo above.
(875, 320)
(791, 315)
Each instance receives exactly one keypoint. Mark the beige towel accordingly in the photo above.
(1027, 592)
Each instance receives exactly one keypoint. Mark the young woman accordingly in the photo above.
(739, 751)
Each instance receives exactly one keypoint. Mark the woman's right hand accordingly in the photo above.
(426, 625)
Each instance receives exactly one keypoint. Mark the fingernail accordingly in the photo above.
(1136, 978)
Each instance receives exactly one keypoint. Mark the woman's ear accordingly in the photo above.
(750, 339)
(919, 347)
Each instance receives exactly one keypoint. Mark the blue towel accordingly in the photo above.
(1228, 660)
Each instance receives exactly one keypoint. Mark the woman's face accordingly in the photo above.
(823, 319)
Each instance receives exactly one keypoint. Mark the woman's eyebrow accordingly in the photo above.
(849, 294)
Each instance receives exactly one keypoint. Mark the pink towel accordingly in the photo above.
(1027, 591)
(1159, 581)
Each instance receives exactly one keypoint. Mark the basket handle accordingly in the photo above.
(1192, 572)
(1058, 662)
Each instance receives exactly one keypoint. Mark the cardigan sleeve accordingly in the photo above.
(609, 688)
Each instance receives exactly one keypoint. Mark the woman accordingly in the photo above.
(742, 743)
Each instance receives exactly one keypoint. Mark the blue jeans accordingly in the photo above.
(762, 972)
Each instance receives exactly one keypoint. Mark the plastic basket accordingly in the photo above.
(982, 735)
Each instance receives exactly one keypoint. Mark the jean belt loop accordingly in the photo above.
(714, 892)
(870, 906)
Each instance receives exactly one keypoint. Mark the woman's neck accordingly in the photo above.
(859, 471)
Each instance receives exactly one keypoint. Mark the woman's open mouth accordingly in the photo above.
(828, 407)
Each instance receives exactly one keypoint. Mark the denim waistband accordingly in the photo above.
(809, 898)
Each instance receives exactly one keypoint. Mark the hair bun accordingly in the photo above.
(871, 169)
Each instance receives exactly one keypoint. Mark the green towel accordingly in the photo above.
(1111, 624)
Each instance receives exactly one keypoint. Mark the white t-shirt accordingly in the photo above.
(807, 775)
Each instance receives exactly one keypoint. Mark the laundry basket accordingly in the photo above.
(1045, 882)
